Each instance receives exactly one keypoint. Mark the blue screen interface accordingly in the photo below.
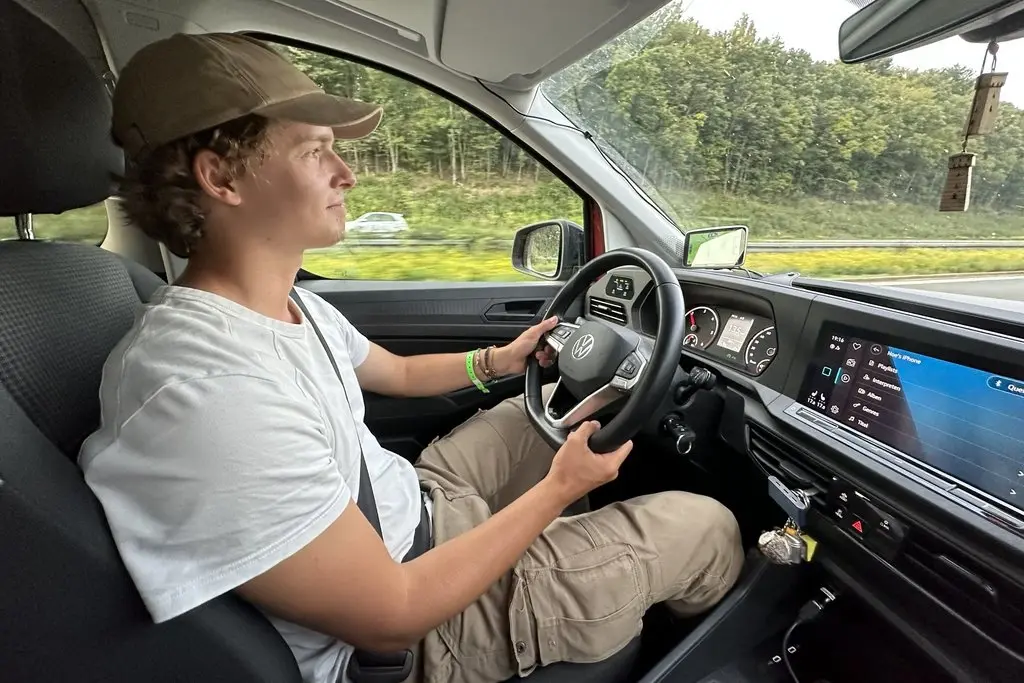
(959, 420)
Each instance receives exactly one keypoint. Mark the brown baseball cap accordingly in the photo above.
(191, 82)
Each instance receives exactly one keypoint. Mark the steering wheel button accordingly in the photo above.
(629, 367)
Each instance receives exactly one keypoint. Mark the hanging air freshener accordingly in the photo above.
(956, 193)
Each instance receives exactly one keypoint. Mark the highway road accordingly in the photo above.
(1009, 287)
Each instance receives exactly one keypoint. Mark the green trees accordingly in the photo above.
(730, 112)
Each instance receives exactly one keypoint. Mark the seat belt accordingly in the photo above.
(368, 666)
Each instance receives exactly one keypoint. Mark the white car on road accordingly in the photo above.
(379, 223)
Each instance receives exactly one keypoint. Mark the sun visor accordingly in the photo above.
(519, 44)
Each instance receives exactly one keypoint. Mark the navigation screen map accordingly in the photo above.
(966, 422)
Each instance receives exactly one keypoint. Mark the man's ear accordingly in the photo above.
(214, 177)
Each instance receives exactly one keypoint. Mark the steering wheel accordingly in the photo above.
(600, 362)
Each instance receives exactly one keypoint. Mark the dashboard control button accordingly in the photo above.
(839, 493)
(889, 529)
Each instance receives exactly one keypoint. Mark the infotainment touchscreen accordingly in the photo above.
(960, 420)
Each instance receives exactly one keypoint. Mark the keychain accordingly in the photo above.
(788, 544)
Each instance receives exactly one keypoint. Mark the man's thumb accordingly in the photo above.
(622, 452)
(548, 324)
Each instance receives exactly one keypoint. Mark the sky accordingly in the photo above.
(813, 25)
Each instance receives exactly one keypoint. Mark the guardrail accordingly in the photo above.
(758, 246)
(815, 245)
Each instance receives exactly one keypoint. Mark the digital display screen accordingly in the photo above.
(960, 420)
(735, 332)
(619, 287)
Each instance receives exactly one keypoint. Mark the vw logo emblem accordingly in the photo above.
(583, 346)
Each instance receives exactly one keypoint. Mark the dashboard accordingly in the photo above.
(737, 331)
(902, 413)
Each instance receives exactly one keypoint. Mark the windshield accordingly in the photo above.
(738, 112)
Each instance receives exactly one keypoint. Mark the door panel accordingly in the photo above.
(410, 318)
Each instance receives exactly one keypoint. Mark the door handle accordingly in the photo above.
(520, 310)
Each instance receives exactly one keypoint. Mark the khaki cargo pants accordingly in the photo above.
(579, 592)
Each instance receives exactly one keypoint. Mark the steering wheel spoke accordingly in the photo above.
(557, 337)
(584, 409)
(629, 372)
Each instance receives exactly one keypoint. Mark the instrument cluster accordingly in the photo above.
(739, 337)
(723, 325)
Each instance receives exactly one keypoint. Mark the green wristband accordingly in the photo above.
(472, 374)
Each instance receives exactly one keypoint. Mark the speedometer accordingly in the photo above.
(701, 327)
(760, 350)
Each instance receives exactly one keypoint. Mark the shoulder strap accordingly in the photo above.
(366, 502)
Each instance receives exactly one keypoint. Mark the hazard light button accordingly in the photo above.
(857, 525)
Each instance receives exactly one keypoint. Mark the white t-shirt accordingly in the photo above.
(227, 444)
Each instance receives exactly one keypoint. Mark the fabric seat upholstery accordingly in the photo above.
(71, 611)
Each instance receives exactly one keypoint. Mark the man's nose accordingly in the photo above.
(343, 176)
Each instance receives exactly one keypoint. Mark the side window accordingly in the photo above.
(87, 224)
(439, 193)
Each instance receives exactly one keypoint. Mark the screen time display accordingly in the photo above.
(960, 420)
(735, 332)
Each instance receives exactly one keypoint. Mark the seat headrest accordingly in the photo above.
(55, 117)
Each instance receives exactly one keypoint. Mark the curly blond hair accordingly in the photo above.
(160, 193)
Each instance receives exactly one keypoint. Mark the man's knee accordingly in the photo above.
(711, 543)
(722, 533)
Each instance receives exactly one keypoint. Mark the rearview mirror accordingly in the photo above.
(723, 247)
(888, 27)
(550, 250)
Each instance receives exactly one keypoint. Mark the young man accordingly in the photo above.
(229, 453)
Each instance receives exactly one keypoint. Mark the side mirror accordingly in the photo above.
(550, 250)
(724, 247)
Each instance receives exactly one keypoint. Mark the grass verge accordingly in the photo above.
(454, 264)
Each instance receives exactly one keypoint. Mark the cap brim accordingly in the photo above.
(350, 119)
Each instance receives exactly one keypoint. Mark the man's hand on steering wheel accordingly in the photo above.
(576, 470)
(603, 364)
(512, 358)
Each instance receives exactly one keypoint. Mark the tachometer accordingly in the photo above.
(701, 327)
(761, 350)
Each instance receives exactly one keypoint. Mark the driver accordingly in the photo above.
(229, 455)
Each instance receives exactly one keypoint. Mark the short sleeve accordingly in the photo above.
(337, 328)
(212, 482)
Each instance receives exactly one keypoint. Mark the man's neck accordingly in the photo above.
(254, 278)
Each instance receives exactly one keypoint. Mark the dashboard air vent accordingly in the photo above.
(612, 311)
(784, 460)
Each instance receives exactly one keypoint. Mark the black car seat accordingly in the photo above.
(69, 609)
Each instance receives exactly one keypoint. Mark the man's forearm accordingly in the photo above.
(445, 581)
(434, 374)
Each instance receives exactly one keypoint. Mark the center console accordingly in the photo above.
(955, 428)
